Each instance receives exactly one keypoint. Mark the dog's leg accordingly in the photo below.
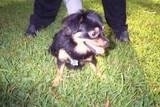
(93, 65)
(59, 73)
(61, 60)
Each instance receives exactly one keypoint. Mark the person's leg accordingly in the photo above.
(73, 6)
(44, 14)
(115, 14)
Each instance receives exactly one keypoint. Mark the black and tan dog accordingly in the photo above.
(78, 42)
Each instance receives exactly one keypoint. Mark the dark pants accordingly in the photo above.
(115, 14)
(45, 12)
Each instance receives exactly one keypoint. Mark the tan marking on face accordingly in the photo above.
(100, 42)
(97, 29)
(97, 44)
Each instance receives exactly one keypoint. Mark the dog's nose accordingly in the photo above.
(103, 42)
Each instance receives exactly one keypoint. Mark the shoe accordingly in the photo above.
(31, 30)
(122, 36)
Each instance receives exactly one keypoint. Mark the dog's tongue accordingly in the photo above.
(95, 49)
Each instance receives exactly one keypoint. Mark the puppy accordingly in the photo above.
(79, 41)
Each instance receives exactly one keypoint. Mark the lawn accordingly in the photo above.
(132, 70)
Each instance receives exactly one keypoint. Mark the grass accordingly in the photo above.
(131, 70)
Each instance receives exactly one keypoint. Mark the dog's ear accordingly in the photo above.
(73, 21)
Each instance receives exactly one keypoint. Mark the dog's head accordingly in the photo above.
(93, 41)
(86, 28)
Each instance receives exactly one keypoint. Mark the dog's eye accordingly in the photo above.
(93, 34)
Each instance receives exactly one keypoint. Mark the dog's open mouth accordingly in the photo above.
(95, 49)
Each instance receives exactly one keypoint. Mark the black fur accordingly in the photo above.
(82, 21)
(64, 41)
